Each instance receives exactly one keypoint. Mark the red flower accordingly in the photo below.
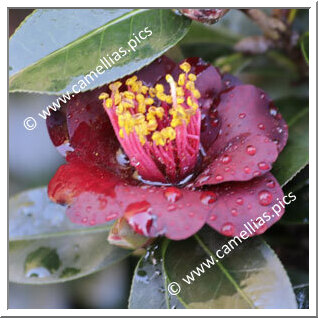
(169, 153)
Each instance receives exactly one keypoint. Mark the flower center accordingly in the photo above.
(159, 132)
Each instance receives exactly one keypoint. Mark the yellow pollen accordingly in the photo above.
(152, 92)
(131, 80)
(168, 99)
(189, 101)
(196, 93)
(169, 78)
(149, 101)
(190, 86)
(103, 96)
(129, 95)
(158, 138)
(137, 112)
(117, 98)
(161, 96)
(180, 100)
(186, 67)
(180, 91)
(115, 86)
(144, 89)
(159, 88)
(192, 77)
(109, 103)
(168, 133)
(142, 107)
(181, 79)
(152, 125)
(140, 98)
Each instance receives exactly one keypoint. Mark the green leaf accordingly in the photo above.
(63, 63)
(150, 282)
(250, 276)
(45, 247)
(304, 44)
(201, 33)
(295, 155)
(300, 282)
(298, 212)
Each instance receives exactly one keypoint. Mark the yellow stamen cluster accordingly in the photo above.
(136, 111)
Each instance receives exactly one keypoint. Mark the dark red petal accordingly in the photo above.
(91, 133)
(230, 80)
(244, 158)
(57, 128)
(245, 112)
(237, 203)
(156, 71)
(209, 16)
(247, 109)
(96, 196)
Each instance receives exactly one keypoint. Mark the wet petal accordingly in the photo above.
(230, 80)
(246, 109)
(248, 118)
(242, 159)
(96, 196)
(242, 202)
(156, 71)
(57, 128)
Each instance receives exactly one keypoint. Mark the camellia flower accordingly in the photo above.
(209, 16)
(169, 149)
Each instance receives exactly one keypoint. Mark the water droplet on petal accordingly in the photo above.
(270, 184)
(215, 122)
(226, 159)
(239, 201)
(263, 165)
(171, 207)
(227, 229)
(234, 212)
(191, 214)
(84, 220)
(173, 194)
(256, 174)
(279, 130)
(242, 115)
(261, 229)
(88, 209)
(208, 197)
(212, 217)
(261, 126)
(111, 216)
(265, 198)
(219, 177)
(273, 110)
(139, 217)
(262, 96)
(102, 203)
(251, 150)
(247, 170)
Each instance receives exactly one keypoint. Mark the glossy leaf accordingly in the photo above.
(300, 282)
(295, 155)
(150, 283)
(304, 44)
(251, 276)
(74, 57)
(44, 247)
